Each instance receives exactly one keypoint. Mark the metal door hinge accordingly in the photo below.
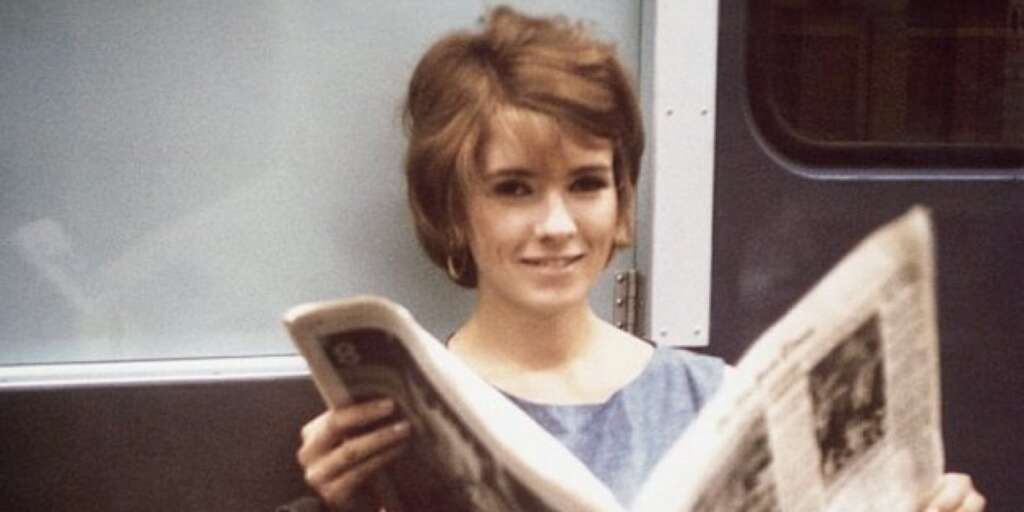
(626, 307)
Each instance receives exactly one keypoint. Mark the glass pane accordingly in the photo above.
(890, 74)
(173, 176)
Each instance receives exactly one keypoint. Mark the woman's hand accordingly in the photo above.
(956, 493)
(338, 454)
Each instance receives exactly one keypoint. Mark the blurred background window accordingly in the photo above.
(936, 85)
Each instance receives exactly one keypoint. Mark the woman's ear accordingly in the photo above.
(457, 240)
(624, 224)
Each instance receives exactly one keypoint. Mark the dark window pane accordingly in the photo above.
(869, 83)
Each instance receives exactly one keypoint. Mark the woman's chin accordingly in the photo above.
(554, 301)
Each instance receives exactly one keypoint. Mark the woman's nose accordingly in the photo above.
(556, 219)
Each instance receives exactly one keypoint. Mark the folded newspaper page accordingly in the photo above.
(836, 407)
(472, 449)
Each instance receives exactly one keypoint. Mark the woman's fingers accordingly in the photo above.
(340, 490)
(956, 493)
(353, 452)
(323, 433)
(975, 502)
(337, 453)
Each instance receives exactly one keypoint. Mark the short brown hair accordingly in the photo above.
(545, 65)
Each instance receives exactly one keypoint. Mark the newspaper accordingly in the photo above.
(472, 449)
(835, 407)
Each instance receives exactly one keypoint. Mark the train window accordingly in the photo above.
(881, 85)
(173, 178)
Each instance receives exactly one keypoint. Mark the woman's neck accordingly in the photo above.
(529, 340)
(568, 356)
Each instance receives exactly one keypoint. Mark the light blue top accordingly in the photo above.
(622, 439)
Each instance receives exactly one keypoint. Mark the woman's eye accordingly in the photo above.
(512, 188)
(589, 184)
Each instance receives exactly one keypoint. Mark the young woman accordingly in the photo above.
(524, 148)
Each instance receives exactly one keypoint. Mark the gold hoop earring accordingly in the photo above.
(452, 273)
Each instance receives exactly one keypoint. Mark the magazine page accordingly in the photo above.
(836, 406)
(471, 448)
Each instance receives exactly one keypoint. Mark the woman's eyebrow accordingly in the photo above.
(592, 168)
(508, 172)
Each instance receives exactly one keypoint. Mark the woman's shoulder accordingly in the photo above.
(673, 355)
(680, 368)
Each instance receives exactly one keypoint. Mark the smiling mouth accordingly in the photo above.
(559, 262)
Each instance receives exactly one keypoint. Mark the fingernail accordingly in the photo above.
(385, 405)
(402, 427)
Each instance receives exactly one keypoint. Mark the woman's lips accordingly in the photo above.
(552, 262)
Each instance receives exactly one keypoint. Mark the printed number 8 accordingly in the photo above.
(345, 354)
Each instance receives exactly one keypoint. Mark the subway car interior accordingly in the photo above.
(175, 175)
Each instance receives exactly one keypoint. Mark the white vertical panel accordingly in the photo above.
(683, 127)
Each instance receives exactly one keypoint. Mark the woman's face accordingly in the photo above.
(543, 214)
